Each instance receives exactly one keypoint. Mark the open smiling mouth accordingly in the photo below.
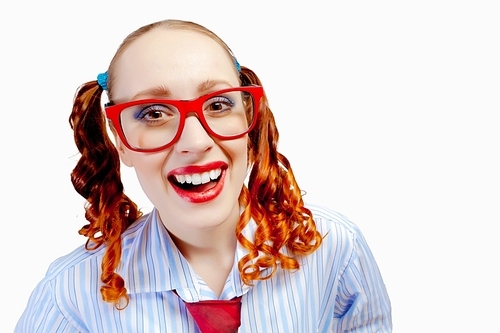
(197, 182)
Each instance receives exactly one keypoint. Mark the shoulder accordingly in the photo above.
(343, 241)
(82, 258)
(71, 286)
(361, 297)
(328, 221)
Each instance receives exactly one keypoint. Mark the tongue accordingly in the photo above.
(198, 188)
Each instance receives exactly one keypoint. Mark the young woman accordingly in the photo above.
(229, 222)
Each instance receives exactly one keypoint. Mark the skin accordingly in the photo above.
(186, 64)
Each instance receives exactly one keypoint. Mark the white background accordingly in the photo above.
(388, 112)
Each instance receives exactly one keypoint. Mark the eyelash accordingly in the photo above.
(222, 100)
(142, 113)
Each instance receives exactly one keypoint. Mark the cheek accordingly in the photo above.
(237, 151)
(149, 169)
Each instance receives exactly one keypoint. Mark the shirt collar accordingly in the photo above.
(151, 262)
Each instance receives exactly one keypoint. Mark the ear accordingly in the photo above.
(123, 152)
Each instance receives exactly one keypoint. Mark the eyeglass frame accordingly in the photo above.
(194, 105)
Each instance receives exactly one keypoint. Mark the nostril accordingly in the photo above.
(191, 151)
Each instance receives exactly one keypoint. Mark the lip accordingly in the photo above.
(188, 169)
(199, 197)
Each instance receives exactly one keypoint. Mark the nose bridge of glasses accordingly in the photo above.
(189, 110)
(192, 108)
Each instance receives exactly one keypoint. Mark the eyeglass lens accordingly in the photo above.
(153, 125)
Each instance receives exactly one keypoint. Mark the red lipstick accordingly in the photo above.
(198, 193)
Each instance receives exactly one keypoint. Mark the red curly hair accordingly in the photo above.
(273, 198)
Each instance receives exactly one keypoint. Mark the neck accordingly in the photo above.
(212, 258)
(210, 251)
(205, 245)
(195, 240)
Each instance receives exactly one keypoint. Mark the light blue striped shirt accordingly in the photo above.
(338, 288)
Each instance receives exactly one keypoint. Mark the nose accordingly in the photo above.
(194, 138)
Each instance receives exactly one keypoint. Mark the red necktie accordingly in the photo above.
(216, 316)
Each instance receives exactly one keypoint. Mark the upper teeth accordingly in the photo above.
(197, 178)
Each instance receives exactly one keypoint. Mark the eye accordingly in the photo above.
(155, 114)
(218, 106)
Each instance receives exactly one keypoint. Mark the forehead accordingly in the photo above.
(172, 58)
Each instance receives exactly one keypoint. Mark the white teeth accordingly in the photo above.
(214, 174)
(197, 179)
(180, 179)
(205, 178)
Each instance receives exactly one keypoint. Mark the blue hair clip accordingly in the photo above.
(102, 79)
(237, 64)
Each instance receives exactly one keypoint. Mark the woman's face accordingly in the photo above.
(183, 64)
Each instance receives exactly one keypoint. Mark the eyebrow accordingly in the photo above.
(208, 85)
(158, 91)
(162, 91)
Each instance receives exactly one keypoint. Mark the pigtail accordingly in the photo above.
(96, 178)
(285, 228)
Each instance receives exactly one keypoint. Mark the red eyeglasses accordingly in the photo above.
(151, 125)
